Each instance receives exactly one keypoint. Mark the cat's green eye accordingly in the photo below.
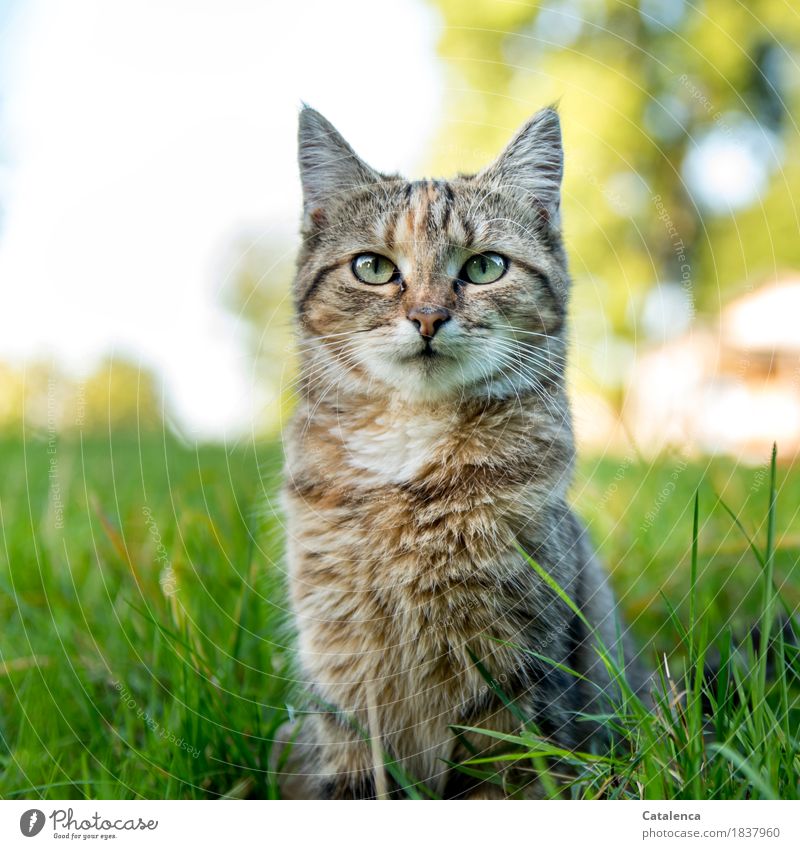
(374, 269)
(484, 268)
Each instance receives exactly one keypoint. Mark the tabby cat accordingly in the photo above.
(432, 445)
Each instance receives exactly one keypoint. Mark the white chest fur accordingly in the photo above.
(394, 448)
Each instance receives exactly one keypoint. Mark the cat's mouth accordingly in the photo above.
(428, 353)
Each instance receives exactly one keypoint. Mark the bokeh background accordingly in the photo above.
(149, 203)
(149, 198)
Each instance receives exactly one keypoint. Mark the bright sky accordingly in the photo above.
(138, 140)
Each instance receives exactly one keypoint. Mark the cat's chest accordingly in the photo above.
(399, 496)
(393, 449)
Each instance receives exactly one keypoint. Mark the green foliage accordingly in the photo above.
(637, 95)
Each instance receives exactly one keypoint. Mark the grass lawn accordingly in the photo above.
(145, 650)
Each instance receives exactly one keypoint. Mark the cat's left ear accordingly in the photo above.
(328, 165)
(533, 164)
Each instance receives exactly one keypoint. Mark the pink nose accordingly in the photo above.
(428, 319)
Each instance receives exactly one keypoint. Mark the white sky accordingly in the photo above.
(142, 138)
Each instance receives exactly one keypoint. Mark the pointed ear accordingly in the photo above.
(533, 164)
(328, 165)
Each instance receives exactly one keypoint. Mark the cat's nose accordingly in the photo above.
(428, 319)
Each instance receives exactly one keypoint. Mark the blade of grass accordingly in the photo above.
(741, 764)
(490, 682)
(693, 579)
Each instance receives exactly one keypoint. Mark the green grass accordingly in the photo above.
(145, 650)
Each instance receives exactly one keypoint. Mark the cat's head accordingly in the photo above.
(433, 289)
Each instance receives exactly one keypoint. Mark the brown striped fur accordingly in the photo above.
(412, 476)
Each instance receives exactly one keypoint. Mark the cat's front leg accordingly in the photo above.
(320, 759)
(316, 758)
(347, 768)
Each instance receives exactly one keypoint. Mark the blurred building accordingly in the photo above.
(731, 386)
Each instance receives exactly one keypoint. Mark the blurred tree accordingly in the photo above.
(682, 150)
(12, 394)
(117, 395)
(258, 294)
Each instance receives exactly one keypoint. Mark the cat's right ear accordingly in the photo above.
(328, 166)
